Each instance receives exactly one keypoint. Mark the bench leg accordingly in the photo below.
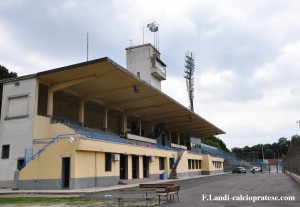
(119, 202)
(178, 197)
(159, 199)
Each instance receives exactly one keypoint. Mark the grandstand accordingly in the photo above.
(230, 161)
(80, 126)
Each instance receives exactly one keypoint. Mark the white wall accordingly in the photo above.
(16, 131)
(138, 60)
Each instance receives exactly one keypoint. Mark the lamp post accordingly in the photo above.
(262, 151)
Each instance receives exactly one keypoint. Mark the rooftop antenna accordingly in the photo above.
(189, 76)
(87, 46)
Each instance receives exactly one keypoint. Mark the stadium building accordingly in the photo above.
(98, 124)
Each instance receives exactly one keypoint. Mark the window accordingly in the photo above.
(107, 161)
(197, 164)
(5, 152)
(161, 163)
(17, 107)
(190, 163)
(193, 164)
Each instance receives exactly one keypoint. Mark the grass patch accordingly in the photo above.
(46, 201)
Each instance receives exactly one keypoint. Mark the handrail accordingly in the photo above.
(41, 150)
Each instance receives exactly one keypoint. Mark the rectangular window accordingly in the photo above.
(161, 163)
(199, 164)
(5, 152)
(107, 161)
(193, 164)
(190, 163)
(17, 107)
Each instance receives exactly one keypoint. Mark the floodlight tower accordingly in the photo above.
(189, 76)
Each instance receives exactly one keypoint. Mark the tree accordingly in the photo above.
(216, 142)
(294, 139)
(4, 74)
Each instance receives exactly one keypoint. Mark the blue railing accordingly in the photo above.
(41, 150)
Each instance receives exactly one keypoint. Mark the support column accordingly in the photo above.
(140, 125)
(104, 121)
(81, 112)
(50, 102)
(178, 138)
(124, 124)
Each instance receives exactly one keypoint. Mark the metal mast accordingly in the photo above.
(189, 76)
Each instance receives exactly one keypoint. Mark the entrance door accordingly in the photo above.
(123, 167)
(135, 166)
(65, 172)
(145, 167)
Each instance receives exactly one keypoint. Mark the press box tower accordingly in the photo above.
(144, 61)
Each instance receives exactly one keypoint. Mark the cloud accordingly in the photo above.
(247, 67)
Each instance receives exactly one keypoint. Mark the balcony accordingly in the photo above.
(158, 69)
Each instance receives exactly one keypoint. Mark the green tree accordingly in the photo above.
(215, 142)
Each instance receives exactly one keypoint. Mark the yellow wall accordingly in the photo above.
(88, 160)
(43, 129)
(48, 164)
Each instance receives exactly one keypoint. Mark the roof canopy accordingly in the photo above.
(107, 83)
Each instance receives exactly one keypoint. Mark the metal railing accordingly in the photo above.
(291, 162)
(43, 149)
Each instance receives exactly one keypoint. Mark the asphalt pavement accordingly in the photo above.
(231, 190)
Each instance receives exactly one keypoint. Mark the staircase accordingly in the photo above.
(173, 174)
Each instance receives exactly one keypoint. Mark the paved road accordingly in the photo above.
(196, 192)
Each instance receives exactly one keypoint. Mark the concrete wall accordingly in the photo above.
(16, 131)
(138, 61)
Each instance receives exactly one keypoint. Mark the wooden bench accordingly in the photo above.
(136, 194)
(163, 189)
(169, 191)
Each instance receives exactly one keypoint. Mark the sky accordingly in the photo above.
(247, 53)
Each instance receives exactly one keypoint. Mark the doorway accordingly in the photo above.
(135, 166)
(65, 172)
(123, 167)
(146, 167)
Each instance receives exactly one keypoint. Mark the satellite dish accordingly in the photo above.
(71, 139)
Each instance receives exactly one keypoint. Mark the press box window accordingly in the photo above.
(107, 161)
(5, 152)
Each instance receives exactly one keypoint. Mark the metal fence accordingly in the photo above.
(291, 162)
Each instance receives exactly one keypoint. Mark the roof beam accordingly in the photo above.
(135, 110)
(122, 103)
(161, 114)
(59, 86)
(88, 97)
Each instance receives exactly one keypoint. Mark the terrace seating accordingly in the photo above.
(106, 136)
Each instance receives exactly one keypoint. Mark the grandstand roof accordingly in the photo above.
(105, 82)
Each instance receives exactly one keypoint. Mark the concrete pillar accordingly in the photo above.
(124, 124)
(81, 112)
(178, 138)
(104, 121)
(140, 125)
(50, 102)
